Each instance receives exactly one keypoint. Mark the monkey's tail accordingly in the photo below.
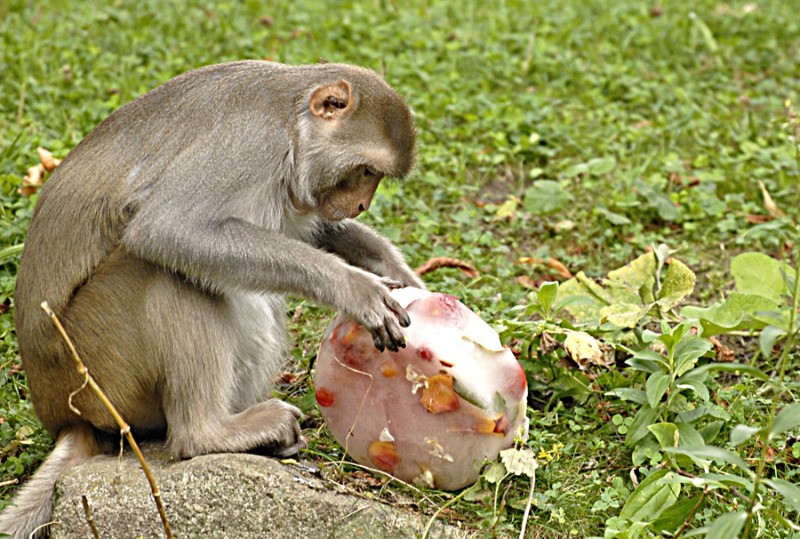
(30, 509)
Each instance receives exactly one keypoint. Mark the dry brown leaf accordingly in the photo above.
(526, 281)
(32, 180)
(551, 263)
(724, 354)
(48, 161)
(585, 350)
(774, 211)
(753, 219)
(445, 262)
(547, 343)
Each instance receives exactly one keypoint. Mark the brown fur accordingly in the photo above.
(167, 238)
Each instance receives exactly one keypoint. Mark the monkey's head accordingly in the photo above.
(355, 131)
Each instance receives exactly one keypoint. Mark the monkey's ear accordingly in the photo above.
(331, 101)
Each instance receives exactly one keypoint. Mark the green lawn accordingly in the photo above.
(586, 131)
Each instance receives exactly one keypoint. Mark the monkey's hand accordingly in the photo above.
(371, 304)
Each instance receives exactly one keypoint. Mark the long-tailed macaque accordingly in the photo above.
(165, 243)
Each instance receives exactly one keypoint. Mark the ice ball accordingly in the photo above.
(430, 413)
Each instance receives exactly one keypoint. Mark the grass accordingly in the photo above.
(585, 130)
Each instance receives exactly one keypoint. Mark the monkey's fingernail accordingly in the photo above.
(392, 346)
(405, 321)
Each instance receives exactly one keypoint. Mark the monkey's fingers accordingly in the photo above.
(390, 283)
(388, 336)
(398, 311)
(288, 451)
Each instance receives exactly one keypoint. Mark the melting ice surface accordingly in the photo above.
(432, 412)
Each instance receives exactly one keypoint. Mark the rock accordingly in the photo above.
(222, 496)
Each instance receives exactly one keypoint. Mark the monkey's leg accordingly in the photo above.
(172, 356)
(220, 354)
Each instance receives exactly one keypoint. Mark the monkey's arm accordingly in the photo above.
(361, 246)
(233, 254)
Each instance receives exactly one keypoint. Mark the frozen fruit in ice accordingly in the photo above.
(431, 412)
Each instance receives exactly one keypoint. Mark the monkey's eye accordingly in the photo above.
(369, 172)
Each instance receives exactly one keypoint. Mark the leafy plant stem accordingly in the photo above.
(691, 515)
(444, 506)
(788, 345)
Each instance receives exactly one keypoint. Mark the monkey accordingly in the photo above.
(168, 238)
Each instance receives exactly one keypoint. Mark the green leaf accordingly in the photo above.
(678, 283)
(789, 491)
(768, 338)
(601, 165)
(663, 205)
(673, 517)
(519, 461)
(787, 419)
(495, 472)
(507, 208)
(647, 360)
(627, 282)
(733, 367)
(651, 497)
(695, 382)
(665, 433)
(688, 436)
(624, 298)
(727, 479)
(593, 298)
(727, 526)
(759, 274)
(546, 196)
(638, 429)
(613, 218)
(741, 433)
(710, 452)
(629, 394)
(547, 294)
(688, 351)
(624, 315)
(657, 384)
(737, 313)
(710, 431)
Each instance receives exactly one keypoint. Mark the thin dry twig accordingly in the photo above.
(125, 429)
(88, 512)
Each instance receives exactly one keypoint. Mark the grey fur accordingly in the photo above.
(167, 238)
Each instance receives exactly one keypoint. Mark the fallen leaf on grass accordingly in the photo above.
(445, 262)
(48, 161)
(774, 211)
(526, 281)
(723, 353)
(551, 263)
(32, 180)
(753, 219)
(35, 175)
(585, 350)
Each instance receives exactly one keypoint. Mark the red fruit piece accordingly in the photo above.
(501, 424)
(424, 353)
(388, 369)
(439, 395)
(324, 397)
(384, 455)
